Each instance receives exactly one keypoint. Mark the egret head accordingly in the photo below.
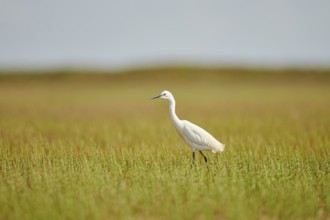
(164, 95)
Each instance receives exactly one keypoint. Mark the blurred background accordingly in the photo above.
(129, 34)
(64, 59)
(92, 59)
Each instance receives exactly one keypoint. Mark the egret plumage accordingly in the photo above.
(196, 137)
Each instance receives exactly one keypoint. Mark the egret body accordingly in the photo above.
(196, 137)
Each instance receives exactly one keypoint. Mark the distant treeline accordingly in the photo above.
(169, 73)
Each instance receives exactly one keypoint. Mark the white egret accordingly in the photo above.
(196, 137)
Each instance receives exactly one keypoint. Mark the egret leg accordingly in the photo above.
(193, 162)
(205, 158)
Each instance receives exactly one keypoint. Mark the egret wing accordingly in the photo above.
(200, 138)
(196, 134)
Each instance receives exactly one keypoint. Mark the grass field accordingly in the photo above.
(94, 146)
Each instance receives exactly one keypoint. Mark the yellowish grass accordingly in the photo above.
(97, 147)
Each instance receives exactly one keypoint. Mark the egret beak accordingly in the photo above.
(156, 97)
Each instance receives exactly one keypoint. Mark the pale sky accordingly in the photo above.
(126, 33)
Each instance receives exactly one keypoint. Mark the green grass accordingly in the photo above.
(96, 147)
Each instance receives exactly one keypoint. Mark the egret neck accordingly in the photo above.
(176, 121)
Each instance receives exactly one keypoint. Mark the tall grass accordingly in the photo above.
(96, 147)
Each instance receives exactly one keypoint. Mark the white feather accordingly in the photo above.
(199, 139)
